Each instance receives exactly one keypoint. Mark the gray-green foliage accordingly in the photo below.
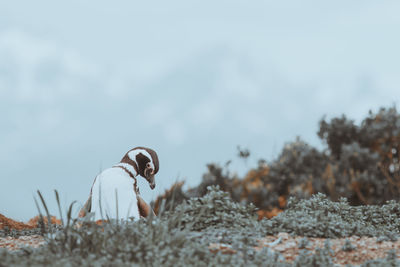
(389, 261)
(181, 237)
(320, 217)
(347, 246)
(303, 243)
(215, 209)
(171, 239)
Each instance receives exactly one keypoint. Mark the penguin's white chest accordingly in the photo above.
(113, 196)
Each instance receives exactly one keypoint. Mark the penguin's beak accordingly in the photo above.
(151, 181)
(152, 185)
(149, 173)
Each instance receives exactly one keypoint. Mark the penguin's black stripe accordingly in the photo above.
(135, 187)
(126, 159)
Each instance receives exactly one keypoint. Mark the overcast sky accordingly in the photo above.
(82, 82)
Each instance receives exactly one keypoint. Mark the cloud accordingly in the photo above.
(38, 70)
(192, 84)
(175, 132)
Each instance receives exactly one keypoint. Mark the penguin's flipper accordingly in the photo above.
(144, 208)
(86, 207)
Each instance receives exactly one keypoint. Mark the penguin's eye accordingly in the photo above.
(148, 165)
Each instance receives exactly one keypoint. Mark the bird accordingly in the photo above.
(115, 193)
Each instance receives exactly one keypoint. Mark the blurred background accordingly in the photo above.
(82, 82)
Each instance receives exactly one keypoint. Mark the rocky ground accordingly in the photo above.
(15, 235)
(15, 243)
(353, 250)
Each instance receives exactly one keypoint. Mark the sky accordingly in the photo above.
(82, 82)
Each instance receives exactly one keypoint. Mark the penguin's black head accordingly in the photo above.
(147, 163)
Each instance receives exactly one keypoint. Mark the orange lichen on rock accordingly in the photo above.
(11, 224)
(34, 222)
(268, 213)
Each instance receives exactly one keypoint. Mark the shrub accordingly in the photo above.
(320, 217)
(359, 162)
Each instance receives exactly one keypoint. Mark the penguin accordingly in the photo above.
(117, 187)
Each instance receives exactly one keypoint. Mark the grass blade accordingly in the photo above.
(116, 203)
(41, 220)
(59, 206)
(69, 213)
(46, 209)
